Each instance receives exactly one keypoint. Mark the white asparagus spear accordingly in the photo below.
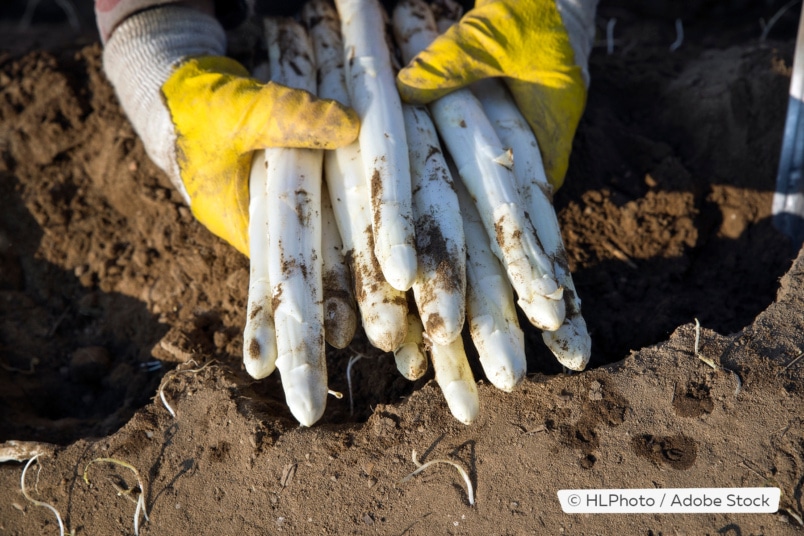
(484, 169)
(371, 83)
(293, 196)
(259, 336)
(383, 309)
(410, 358)
(440, 287)
(571, 343)
(340, 319)
(493, 323)
(454, 377)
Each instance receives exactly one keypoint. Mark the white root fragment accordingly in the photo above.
(372, 88)
(610, 35)
(440, 286)
(165, 402)
(474, 145)
(352, 360)
(766, 28)
(490, 307)
(39, 503)
(259, 335)
(383, 309)
(454, 377)
(470, 491)
(293, 204)
(140, 482)
(172, 374)
(711, 362)
(410, 357)
(570, 343)
(675, 45)
(340, 318)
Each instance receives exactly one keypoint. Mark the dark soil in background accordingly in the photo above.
(665, 215)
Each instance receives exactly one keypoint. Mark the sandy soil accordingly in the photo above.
(666, 219)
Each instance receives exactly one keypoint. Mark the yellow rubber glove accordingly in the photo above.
(523, 41)
(220, 115)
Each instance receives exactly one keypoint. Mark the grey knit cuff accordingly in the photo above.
(141, 55)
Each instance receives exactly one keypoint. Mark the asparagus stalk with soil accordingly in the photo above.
(340, 320)
(293, 205)
(570, 343)
(259, 336)
(454, 377)
(410, 356)
(372, 89)
(485, 170)
(383, 309)
(490, 307)
(440, 287)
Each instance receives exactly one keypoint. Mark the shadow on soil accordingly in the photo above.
(73, 359)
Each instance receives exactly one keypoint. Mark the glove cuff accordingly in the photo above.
(579, 21)
(141, 55)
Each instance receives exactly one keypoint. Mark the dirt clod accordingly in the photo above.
(678, 452)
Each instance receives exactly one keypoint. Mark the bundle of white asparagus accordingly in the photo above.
(485, 227)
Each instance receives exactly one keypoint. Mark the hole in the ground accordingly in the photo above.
(74, 361)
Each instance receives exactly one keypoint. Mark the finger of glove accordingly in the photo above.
(279, 116)
(218, 186)
(553, 114)
(470, 50)
(523, 39)
(220, 198)
(220, 115)
(212, 99)
(526, 43)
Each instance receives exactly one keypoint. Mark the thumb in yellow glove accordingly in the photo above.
(527, 43)
(221, 115)
(201, 116)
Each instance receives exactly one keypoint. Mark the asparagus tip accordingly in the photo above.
(410, 361)
(462, 399)
(570, 343)
(400, 267)
(543, 312)
(305, 393)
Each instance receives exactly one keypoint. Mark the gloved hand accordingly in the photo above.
(540, 47)
(200, 115)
